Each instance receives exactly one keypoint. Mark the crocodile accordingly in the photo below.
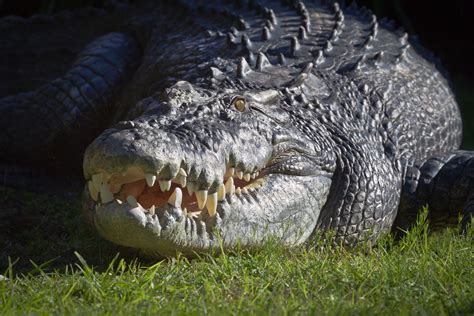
(216, 124)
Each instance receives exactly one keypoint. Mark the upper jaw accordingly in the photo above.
(163, 154)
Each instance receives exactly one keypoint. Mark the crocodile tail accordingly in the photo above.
(50, 104)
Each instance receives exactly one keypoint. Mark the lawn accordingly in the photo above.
(53, 263)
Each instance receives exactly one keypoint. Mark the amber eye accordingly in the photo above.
(240, 104)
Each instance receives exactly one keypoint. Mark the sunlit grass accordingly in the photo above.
(421, 273)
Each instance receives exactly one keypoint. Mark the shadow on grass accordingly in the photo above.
(47, 230)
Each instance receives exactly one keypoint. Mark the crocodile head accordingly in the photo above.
(201, 169)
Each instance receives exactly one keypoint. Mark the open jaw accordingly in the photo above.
(162, 217)
(147, 193)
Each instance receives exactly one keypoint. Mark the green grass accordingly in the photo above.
(54, 264)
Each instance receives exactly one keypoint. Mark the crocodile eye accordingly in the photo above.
(240, 104)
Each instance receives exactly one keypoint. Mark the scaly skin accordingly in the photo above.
(317, 111)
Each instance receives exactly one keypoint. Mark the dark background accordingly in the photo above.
(444, 27)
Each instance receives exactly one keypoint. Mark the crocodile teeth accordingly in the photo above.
(247, 177)
(238, 191)
(229, 186)
(221, 192)
(181, 180)
(229, 172)
(176, 198)
(132, 201)
(165, 185)
(119, 201)
(244, 190)
(254, 175)
(201, 197)
(105, 195)
(92, 190)
(182, 172)
(97, 180)
(152, 210)
(150, 179)
(211, 204)
(239, 174)
(190, 187)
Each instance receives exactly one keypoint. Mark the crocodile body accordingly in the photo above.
(244, 120)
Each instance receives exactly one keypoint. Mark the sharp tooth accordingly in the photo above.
(97, 180)
(181, 180)
(182, 172)
(244, 190)
(238, 191)
(165, 185)
(247, 177)
(211, 204)
(150, 179)
(92, 190)
(201, 197)
(254, 175)
(132, 201)
(229, 172)
(185, 211)
(190, 187)
(152, 210)
(239, 174)
(119, 201)
(221, 192)
(176, 198)
(229, 186)
(105, 195)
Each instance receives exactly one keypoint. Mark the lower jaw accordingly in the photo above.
(239, 220)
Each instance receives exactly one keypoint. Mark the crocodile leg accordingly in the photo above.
(64, 112)
(58, 89)
(445, 184)
(362, 204)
